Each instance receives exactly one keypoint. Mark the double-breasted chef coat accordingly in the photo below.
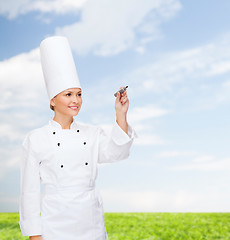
(65, 161)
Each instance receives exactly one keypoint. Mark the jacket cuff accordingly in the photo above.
(31, 227)
(120, 137)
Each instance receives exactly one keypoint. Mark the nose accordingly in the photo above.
(75, 99)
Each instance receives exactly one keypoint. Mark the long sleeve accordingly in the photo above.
(116, 146)
(29, 206)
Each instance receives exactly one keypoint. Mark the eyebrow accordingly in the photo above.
(72, 91)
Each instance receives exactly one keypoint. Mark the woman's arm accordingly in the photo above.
(116, 146)
(29, 207)
(121, 107)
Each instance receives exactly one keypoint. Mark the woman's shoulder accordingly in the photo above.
(36, 134)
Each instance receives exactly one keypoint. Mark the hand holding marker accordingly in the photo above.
(121, 91)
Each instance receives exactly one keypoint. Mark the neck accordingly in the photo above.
(64, 121)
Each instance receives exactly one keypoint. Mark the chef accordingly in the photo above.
(63, 155)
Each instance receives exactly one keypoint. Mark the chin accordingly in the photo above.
(72, 114)
(75, 114)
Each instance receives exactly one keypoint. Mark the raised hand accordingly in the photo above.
(121, 103)
(121, 107)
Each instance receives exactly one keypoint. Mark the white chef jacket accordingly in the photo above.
(65, 161)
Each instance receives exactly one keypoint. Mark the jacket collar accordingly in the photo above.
(58, 125)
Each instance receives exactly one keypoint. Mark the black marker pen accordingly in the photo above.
(121, 91)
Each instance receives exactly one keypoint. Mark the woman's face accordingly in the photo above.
(67, 102)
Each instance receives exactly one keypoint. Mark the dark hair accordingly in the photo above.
(51, 107)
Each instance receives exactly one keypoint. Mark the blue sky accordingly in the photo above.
(174, 56)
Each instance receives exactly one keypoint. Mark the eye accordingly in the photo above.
(79, 94)
(68, 94)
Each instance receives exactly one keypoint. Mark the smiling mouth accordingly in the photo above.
(73, 108)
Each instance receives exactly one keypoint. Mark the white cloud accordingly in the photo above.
(140, 117)
(110, 27)
(13, 9)
(205, 158)
(187, 68)
(10, 159)
(13, 69)
(148, 139)
(223, 94)
(174, 154)
(195, 162)
(138, 114)
(9, 132)
(204, 163)
(152, 201)
(140, 49)
(140, 127)
(22, 95)
(58, 6)
(21, 80)
(106, 27)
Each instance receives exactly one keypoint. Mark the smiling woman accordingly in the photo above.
(63, 155)
(67, 102)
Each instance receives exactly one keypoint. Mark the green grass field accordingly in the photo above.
(145, 226)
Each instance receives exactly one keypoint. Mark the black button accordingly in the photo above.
(86, 163)
(77, 130)
(53, 132)
(84, 143)
(61, 166)
(58, 144)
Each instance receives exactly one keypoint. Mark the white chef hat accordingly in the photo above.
(58, 65)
